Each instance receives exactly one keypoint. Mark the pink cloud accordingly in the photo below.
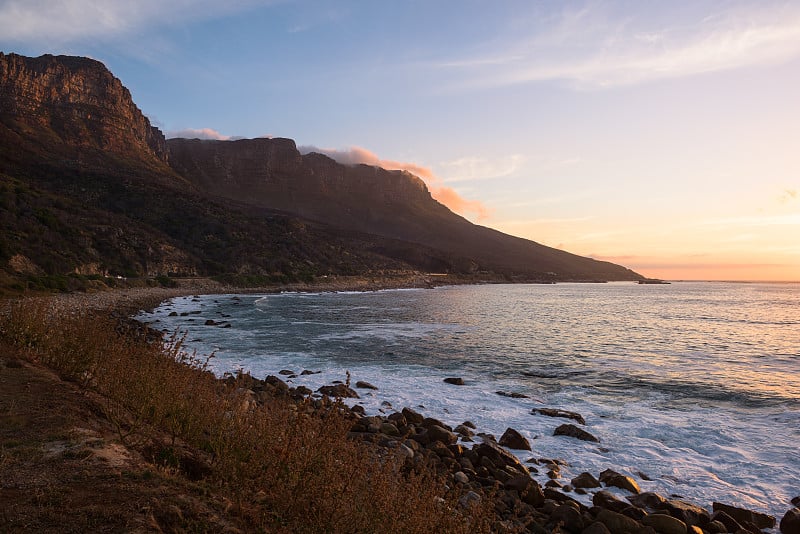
(197, 133)
(446, 195)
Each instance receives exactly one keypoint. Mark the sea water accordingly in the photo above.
(695, 386)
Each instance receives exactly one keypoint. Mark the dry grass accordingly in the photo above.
(283, 466)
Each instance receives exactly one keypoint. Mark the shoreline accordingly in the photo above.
(464, 466)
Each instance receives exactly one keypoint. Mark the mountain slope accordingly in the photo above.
(272, 173)
(88, 185)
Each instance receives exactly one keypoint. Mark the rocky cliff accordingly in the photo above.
(89, 186)
(76, 101)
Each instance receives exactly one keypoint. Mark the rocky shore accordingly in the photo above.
(481, 467)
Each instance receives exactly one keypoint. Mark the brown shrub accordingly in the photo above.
(284, 465)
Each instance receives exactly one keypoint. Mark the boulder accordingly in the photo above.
(498, 456)
(688, 513)
(618, 523)
(211, 322)
(276, 383)
(731, 525)
(441, 434)
(529, 490)
(389, 429)
(665, 524)
(742, 515)
(469, 499)
(413, 417)
(606, 499)
(790, 524)
(552, 412)
(463, 430)
(596, 528)
(648, 500)
(364, 385)
(514, 440)
(796, 501)
(340, 391)
(574, 432)
(612, 478)
(570, 518)
(585, 480)
(285, 372)
(456, 381)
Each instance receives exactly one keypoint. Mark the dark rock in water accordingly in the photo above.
(172, 314)
(229, 325)
(365, 385)
(585, 480)
(574, 432)
(552, 412)
(463, 430)
(512, 395)
(649, 500)
(285, 372)
(790, 524)
(796, 501)
(741, 515)
(211, 322)
(413, 417)
(612, 478)
(340, 391)
(514, 440)
(455, 381)
(302, 390)
(357, 409)
(606, 499)
(529, 490)
(430, 421)
(184, 314)
(307, 372)
(498, 456)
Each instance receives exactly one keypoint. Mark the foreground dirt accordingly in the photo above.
(63, 468)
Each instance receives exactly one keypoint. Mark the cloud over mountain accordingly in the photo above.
(448, 196)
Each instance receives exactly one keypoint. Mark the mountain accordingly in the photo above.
(89, 186)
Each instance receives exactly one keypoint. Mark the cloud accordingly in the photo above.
(198, 133)
(592, 48)
(474, 168)
(66, 21)
(789, 196)
(446, 195)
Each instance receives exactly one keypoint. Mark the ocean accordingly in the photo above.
(693, 389)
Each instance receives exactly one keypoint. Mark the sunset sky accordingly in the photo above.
(664, 136)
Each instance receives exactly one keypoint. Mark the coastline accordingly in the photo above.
(484, 468)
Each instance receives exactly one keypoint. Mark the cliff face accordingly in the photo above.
(76, 100)
(272, 173)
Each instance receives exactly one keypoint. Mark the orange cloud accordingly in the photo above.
(445, 195)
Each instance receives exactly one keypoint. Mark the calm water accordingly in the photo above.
(695, 385)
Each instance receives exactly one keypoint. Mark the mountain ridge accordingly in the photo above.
(90, 186)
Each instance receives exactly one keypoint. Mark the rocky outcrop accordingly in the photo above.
(78, 101)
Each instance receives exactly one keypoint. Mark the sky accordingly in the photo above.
(664, 136)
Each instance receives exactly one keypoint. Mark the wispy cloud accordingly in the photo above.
(477, 168)
(591, 48)
(446, 195)
(53, 22)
